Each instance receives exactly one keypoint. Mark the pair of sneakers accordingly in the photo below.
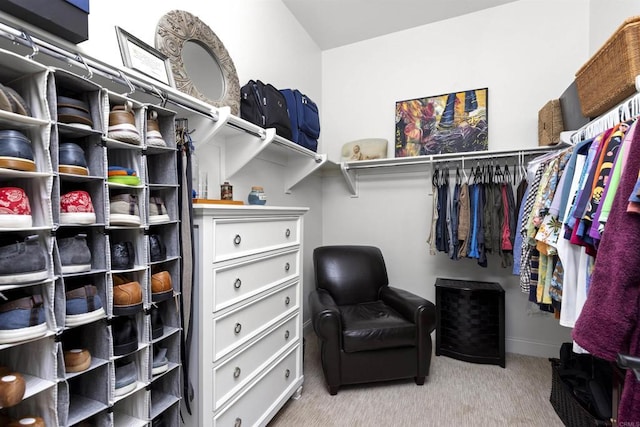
(122, 126)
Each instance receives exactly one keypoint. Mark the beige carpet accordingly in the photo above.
(456, 393)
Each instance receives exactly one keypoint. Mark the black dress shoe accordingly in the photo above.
(125, 335)
(157, 325)
(123, 255)
(157, 248)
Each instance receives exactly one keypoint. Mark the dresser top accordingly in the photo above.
(213, 209)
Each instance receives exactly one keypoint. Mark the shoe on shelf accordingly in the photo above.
(160, 362)
(126, 378)
(123, 175)
(16, 151)
(157, 211)
(161, 286)
(12, 387)
(28, 422)
(77, 360)
(83, 305)
(75, 255)
(22, 319)
(15, 211)
(157, 250)
(122, 124)
(127, 295)
(123, 256)
(124, 210)
(71, 159)
(13, 102)
(76, 208)
(74, 112)
(125, 335)
(157, 325)
(154, 137)
(23, 262)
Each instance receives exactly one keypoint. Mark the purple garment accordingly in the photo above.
(609, 322)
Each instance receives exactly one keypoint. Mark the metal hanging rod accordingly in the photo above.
(626, 110)
(451, 157)
(92, 66)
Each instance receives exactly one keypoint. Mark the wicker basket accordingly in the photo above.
(570, 411)
(608, 78)
(550, 123)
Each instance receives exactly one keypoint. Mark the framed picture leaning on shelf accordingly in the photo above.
(141, 57)
(448, 123)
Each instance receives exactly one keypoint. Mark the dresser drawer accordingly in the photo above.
(236, 282)
(239, 237)
(236, 327)
(252, 407)
(236, 372)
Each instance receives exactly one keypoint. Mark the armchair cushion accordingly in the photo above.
(374, 326)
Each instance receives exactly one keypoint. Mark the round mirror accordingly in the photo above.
(203, 69)
(200, 64)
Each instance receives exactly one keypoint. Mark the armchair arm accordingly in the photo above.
(325, 316)
(411, 306)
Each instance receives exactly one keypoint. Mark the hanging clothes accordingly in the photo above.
(610, 319)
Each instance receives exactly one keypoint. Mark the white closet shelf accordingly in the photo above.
(350, 169)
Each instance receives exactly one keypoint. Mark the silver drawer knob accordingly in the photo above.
(237, 283)
(287, 373)
(287, 233)
(237, 328)
(236, 372)
(287, 266)
(287, 300)
(238, 422)
(286, 335)
(237, 240)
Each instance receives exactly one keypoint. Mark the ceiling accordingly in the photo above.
(334, 23)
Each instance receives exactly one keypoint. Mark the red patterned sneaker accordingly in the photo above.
(15, 211)
(76, 208)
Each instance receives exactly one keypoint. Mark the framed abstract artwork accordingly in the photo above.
(450, 123)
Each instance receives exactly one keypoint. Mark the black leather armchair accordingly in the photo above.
(368, 331)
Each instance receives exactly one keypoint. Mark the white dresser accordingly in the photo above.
(246, 357)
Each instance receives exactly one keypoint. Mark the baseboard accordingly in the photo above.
(532, 348)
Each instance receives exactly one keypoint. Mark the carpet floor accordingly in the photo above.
(456, 393)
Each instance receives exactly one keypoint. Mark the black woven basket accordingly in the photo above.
(570, 411)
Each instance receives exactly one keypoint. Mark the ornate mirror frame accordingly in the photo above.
(176, 28)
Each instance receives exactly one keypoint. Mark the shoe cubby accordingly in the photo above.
(92, 337)
(75, 305)
(165, 393)
(132, 372)
(41, 405)
(118, 132)
(68, 85)
(73, 199)
(26, 258)
(29, 313)
(170, 346)
(168, 315)
(96, 241)
(166, 126)
(85, 396)
(169, 417)
(68, 130)
(131, 239)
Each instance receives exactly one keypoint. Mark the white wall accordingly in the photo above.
(525, 53)
(605, 18)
